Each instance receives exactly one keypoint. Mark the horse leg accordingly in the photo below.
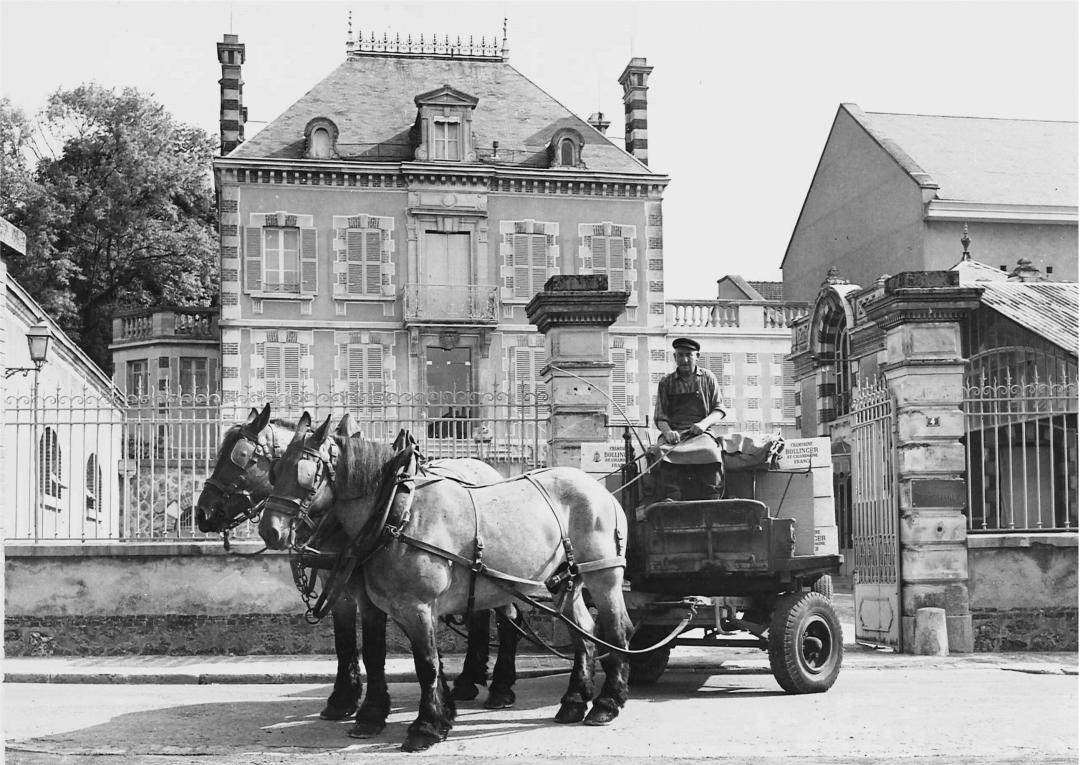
(371, 717)
(475, 670)
(606, 589)
(347, 684)
(501, 692)
(437, 709)
(580, 691)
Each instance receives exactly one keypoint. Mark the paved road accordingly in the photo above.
(959, 714)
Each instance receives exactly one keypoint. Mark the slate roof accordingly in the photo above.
(994, 161)
(370, 99)
(1049, 309)
(770, 290)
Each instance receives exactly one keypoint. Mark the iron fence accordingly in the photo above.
(1021, 438)
(86, 467)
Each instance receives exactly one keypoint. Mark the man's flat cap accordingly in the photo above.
(686, 342)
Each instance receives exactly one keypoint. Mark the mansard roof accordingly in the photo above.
(371, 98)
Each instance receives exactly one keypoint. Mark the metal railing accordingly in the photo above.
(1021, 455)
(89, 468)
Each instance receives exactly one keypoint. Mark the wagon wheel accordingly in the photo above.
(646, 668)
(806, 644)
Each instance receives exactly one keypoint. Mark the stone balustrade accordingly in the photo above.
(719, 314)
(154, 323)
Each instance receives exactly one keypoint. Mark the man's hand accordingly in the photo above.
(695, 430)
(672, 436)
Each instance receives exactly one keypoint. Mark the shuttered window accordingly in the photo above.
(365, 370)
(618, 384)
(364, 275)
(609, 258)
(281, 259)
(282, 369)
(93, 488)
(714, 362)
(530, 264)
(790, 398)
(526, 385)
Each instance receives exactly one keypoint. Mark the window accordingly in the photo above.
(778, 403)
(50, 486)
(727, 404)
(365, 371)
(791, 396)
(364, 248)
(714, 362)
(777, 381)
(281, 254)
(618, 385)
(751, 403)
(93, 488)
(446, 139)
(752, 381)
(751, 358)
(566, 153)
(727, 358)
(138, 378)
(529, 256)
(609, 249)
(194, 376)
(282, 368)
(526, 385)
(608, 258)
(530, 264)
(320, 143)
(727, 381)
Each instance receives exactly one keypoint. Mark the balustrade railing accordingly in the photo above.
(712, 314)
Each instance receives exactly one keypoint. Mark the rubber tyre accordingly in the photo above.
(806, 643)
(647, 668)
(824, 585)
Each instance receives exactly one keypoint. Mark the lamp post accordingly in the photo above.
(38, 337)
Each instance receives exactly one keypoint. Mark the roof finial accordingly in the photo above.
(505, 44)
(965, 240)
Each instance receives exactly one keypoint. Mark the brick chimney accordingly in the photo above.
(597, 121)
(635, 83)
(233, 114)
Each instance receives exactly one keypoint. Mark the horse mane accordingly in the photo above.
(277, 422)
(360, 466)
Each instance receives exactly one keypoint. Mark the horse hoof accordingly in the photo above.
(332, 712)
(464, 692)
(366, 729)
(571, 712)
(420, 742)
(497, 700)
(601, 715)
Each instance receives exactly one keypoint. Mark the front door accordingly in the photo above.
(448, 384)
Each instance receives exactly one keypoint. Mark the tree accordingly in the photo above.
(122, 217)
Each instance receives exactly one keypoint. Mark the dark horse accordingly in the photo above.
(440, 519)
(236, 491)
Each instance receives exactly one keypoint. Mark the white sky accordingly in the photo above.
(740, 102)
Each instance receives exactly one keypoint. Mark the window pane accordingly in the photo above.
(567, 153)
(320, 143)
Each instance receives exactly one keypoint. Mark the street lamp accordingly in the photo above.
(38, 338)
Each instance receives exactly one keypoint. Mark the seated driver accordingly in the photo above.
(687, 405)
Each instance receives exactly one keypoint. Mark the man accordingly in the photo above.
(688, 405)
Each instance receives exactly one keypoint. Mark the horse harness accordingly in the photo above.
(406, 472)
(245, 453)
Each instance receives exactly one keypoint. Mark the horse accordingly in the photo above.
(440, 528)
(236, 491)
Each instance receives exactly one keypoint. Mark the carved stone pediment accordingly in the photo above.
(446, 96)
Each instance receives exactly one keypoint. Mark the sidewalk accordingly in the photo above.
(206, 670)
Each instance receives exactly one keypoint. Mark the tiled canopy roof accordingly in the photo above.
(1048, 309)
(370, 100)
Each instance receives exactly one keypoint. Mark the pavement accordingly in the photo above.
(205, 670)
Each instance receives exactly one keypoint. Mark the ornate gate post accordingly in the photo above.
(920, 313)
(574, 313)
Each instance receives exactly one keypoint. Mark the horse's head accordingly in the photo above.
(303, 482)
(240, 481)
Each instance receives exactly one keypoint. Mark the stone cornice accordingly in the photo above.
(571, 300)
(954, 210)
(916, 297)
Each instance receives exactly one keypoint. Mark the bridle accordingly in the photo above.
(246, 451)
(314, 468)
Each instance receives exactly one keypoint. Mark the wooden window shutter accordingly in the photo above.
(538, 268)
(618, 381)
(521, 266)
(789, 388)
(714, 362)
(616, 265)
(291, 368)
(309, 260)
(375, 369)
(372, 262)
(252, 258)
(354, 244)
(272, 368)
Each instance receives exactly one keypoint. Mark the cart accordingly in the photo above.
(735, 565)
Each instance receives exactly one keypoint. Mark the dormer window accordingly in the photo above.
(446, 138)
(565, 148)
(320, 138)
(443, 130)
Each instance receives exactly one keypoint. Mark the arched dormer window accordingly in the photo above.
(320, 139)
(565, 148)
(443, 128)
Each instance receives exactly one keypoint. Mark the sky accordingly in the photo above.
(740, 102)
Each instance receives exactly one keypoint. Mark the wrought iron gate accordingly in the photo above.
(875, 515)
